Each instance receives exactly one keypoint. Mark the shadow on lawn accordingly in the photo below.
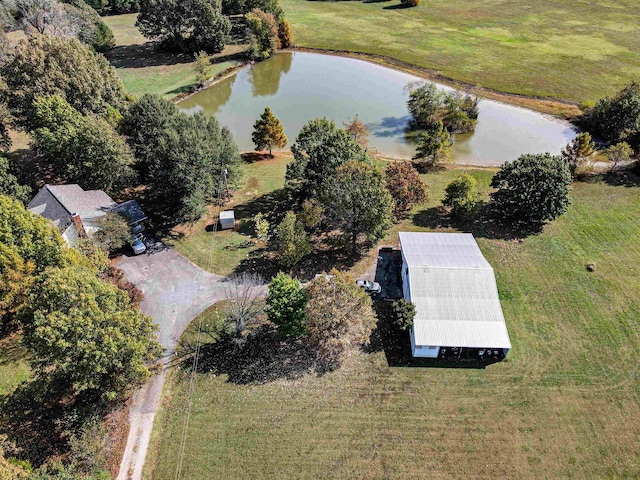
(486, 223)
(263, 357)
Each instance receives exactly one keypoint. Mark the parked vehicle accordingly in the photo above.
(368, 286)
(137, 244)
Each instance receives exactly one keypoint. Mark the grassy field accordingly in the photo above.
(564, 405)
(146, 70)
(571, 50)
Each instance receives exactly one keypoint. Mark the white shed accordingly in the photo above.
(227, 220)
(454, 290)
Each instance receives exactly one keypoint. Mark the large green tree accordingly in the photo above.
(85, 333)
(356, 201)
(9, 184)
(189, 158)
(43, 65)
(319, 150)
(86, 150)
(184, 25)
(268, 132)
(428, 105)
(532, 190)
(617, 118)
(434, 145)
(339, 315)
(263, 30)
(286, 305)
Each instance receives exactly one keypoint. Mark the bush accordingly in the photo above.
(286, 305)
(532, 190)
(461, 194)
(406, 186)
(403, 313)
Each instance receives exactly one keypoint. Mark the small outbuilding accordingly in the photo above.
(227, 220)
(454, 290)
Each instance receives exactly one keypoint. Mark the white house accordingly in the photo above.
(453, 287)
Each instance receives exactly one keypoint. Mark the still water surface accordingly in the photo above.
(301, 86)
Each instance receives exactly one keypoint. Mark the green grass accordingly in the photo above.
(146, 70)
(13, 365)
(219, 252)
(570, 50)
(564, 405)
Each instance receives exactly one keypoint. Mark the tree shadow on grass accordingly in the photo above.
(486, 223)
(619, 178)
(399, 6)
(263, 357)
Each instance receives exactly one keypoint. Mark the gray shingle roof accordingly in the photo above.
(131, 210)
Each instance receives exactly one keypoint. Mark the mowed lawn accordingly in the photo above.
(570, 50)
(144, 69)
(221, 251)
(13, 363)
(564, 405)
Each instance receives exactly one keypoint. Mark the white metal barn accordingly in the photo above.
(227, 220)
(453, 287)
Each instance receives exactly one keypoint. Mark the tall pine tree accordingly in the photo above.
(268, 132)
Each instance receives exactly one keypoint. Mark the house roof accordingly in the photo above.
(454, 290)
(86, 203)
(131, 210)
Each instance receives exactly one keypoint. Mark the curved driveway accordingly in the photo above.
(175, 292)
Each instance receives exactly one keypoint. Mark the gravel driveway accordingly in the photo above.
(175, 292)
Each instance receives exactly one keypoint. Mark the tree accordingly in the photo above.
(358, 131)
(619, 153)
(286, 306)
(434, 145)
(144, 123)
(293, 241)
(188, 157)
(86, 335)
(461, 195)
(268, 132)
(113, 232)
(319, 150)
(578, 152)
(9, 184)
(202, 67)
(406, 186)
(15, 278)
(339, 315)
(617, 118)
(311, 213)
(45, 17)
(43, 65)
(244, 303)
(261, 226)
(184, 25)
(403, 313)
(5, 120)
(33, 237)
(264, 34)
(86, 150)
(284, 34)
(428, 105)
(356, 201)
(532, 190)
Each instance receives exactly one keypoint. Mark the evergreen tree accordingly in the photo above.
(268, 132)
(293, 241)
(286, 306)
(434, 145)
(578, 152)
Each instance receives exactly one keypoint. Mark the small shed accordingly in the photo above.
(227, 220)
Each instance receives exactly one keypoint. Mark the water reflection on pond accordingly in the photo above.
(301, 86)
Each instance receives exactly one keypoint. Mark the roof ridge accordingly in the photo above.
(47, 186)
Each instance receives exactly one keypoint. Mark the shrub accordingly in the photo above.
(403, 313)
(293, 241)
(406, 186)
(461, 194)
(286, 305)
(532, 190)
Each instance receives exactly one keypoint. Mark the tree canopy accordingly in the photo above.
(43, 65)
(268, 132)
(9, 184)
(293, 241)
(461, 194)
(85, 333)
(320, 148)
(356, 201)
(578, 152)
(532, 190)
(406, 186)
(184, 25)
(339, 315)
(286, 305)
(434, 145)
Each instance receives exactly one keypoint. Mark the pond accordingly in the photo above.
(301, 86)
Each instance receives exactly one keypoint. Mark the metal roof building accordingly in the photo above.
(454, 290)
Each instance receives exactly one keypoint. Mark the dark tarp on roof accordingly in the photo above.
(131, 210)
